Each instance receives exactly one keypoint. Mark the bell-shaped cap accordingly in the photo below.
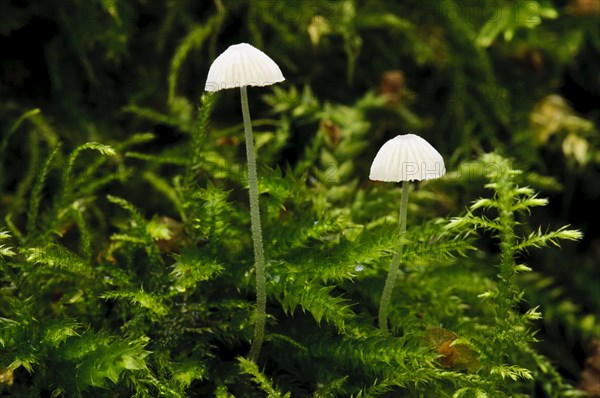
(405, 158)
(242, 65)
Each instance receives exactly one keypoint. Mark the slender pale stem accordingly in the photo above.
(386, 296)
(259, 256)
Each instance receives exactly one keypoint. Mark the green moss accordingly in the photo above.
(126, 262)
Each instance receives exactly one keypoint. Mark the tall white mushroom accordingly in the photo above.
(243, 65)
(403, 158)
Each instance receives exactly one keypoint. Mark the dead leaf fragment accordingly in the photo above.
(584, 7)
(391, 85)
(590, 378)
(453, 354)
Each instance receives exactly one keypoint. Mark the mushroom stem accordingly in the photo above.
(259, 256)
(386, 296)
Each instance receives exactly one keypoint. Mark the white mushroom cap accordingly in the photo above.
(405, 158)
(242, 65)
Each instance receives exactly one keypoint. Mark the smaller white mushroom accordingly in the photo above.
(242, 65)
(403, 158)
(406, 158)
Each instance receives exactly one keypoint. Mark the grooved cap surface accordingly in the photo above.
(405, 158)
(242, 65)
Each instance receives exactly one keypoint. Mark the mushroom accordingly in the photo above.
(403, 158)
(243, 65)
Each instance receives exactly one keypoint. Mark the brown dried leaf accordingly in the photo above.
(590, 378)
(333, 133)
(584, 7)
(391, 84)
(452, 355)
